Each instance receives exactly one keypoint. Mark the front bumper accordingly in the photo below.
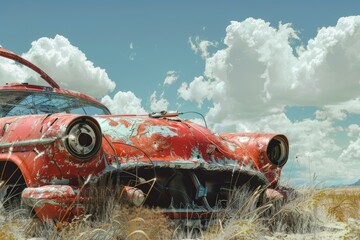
(64, 202)
(60, 202)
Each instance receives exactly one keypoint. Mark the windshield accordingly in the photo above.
(14, 103)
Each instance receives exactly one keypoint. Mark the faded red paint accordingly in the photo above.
(54, 202)
(159, 150)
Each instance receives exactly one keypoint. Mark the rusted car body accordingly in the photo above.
(56, 144)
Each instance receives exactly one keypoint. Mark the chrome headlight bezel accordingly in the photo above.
(277, 151)
(83, 139)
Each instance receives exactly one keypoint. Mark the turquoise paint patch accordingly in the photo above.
(164, 131)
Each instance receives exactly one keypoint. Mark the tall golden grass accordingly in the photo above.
(341, 203)
(309, 213)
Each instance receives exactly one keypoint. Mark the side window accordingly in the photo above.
(88, 110)
(76, 111)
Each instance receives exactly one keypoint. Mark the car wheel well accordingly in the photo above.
(12, 183)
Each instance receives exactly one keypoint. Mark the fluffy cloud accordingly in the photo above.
(157, 105)
(354, 131)
(69, 66)
(123, 103)
(258, 75)
(11, 72)
(201, 46)
(197, 90)
(350, 159)
(340, 110)
(352, 152)
(171, 77)
(240, 76)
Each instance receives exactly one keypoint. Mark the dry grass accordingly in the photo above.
(124, 223)
(249, 220)
(119, 222)
(310, 214)
(326, 213)
(113, 219)
(6, 232)
(341, 203)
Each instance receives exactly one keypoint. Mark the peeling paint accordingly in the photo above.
(164, 131)
(243, 139)
(53, 195)
(56, 181)
(231, 146)
(196, 155)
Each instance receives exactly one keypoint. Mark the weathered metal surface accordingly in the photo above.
(175, 163)
(134, 196)
(53, 202)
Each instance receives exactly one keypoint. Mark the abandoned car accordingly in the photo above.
(57, 144)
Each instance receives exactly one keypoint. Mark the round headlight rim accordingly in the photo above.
(98, 139)
(284, 155)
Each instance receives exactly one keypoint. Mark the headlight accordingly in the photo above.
(277, 151)
(84, 138)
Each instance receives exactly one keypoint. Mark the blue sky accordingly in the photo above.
(137, 44)
(159, 31)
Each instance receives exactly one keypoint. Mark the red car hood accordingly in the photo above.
(169, 142)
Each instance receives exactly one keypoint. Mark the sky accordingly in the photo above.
(248, 66)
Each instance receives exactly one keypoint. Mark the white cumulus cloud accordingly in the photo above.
(340, 110)
(198, 90)
(259, 74)
(259, 71)
(157, 105)
(354, 131)
(10, 72)
(69, 66)
(123, 103)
